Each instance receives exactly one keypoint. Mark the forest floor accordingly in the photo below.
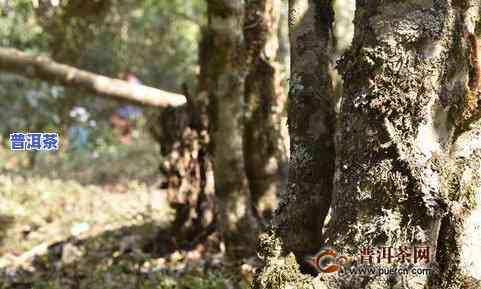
(98, 221)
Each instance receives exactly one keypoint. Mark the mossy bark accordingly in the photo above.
(265, 147)
(226, 72)
(407, 146)
(246, 107)
(311, 127)
(240, 85)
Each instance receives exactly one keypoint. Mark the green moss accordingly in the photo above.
(282, 272)
(470, 197)
(457, 189)
(279, 271)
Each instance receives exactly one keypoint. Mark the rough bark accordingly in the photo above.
(311, 127)
(265, 149)
(226, 72)
(44, 68)
(187, 168)
(264, 135)
(406, 102)
(408, 150)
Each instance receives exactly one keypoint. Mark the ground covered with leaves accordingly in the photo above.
(98, 220)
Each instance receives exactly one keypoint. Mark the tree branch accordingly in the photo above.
(41, 67)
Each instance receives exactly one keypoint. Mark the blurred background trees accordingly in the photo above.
(171, 45)
(109, 37)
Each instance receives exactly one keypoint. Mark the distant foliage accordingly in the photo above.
(110, 37)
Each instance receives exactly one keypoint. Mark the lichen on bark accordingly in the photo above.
(303, 207)
(399, 179)
(397, 129)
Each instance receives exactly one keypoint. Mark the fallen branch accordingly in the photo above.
(44, 68)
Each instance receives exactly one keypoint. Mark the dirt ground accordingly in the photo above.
(75, 223)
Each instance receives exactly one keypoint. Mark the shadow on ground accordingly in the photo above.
(146, 256)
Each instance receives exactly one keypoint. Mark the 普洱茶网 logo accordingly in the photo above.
(375, 260)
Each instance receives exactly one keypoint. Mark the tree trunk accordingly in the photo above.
(187, 168)
(408, 152)
(407, 102)
(283, 36)
(311, 127)
(226, 71)
(265, 148)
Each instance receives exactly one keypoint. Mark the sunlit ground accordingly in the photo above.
(95, 219)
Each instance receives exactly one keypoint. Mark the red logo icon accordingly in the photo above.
(327, 261)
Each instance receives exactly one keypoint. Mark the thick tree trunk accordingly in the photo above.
(406, 103)
(265, 149)
(226, 72)
(43, 68)
(408, 152)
